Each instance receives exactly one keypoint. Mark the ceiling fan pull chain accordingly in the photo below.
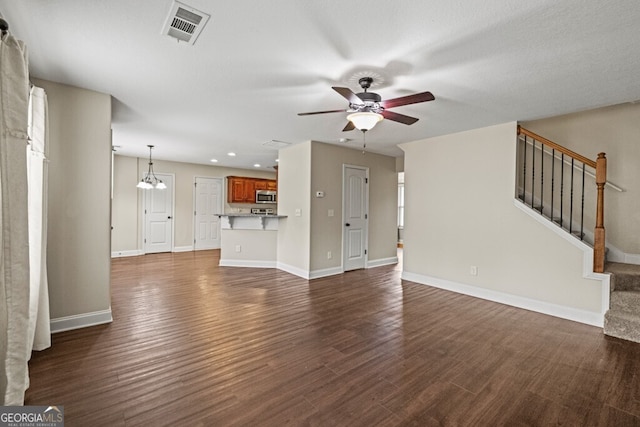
(364, 141)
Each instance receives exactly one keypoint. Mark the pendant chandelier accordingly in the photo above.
(150, 179)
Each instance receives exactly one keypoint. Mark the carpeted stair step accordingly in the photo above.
(625, 301)
(621, 324)
(625, 277)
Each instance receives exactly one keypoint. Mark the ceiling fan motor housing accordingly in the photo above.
(371, 102)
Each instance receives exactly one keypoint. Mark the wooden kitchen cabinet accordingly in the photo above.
(241, 189)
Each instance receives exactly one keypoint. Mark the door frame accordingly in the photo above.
(143, 220)
(366, 207)
(222, 199)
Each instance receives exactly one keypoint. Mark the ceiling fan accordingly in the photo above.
(368, 108)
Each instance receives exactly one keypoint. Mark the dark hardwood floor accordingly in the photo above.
(193, 344)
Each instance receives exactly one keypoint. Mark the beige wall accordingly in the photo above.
(79, 200)
(460, 212)
(257, 247)
(326, 175)
(294, 192)
(303, 241)
(124, 206)
(127, 199)
(616, 131)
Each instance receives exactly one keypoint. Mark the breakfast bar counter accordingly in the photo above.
(249, 240)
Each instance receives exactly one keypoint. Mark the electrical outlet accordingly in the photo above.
(330, 213)
(238, 248)
(329, 255)
(473, 270)
(298, 212)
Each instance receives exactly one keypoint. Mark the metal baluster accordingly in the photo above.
(541, 178)
(561, 188)
(571, 204)
(524, 173)
(533, 172)
(582, 207)
(553, 177)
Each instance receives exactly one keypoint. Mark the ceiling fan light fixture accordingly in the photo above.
(365, 120)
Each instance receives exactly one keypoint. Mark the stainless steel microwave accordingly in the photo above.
(265, 196)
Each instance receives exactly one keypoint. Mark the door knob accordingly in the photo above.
(168, 217)
(348, 225)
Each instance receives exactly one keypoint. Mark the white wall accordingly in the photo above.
(460, 212)
(294, 192)
(614, 130)
(78, 255)
(127, 199)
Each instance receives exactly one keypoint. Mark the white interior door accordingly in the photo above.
(355, 207)
(158, 217)
(208, 203)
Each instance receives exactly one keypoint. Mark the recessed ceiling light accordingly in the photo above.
(257, 165)
(231, 154)
(214, 160)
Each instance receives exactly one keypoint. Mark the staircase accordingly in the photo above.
(558, 184)
(551, 180)
(623, 318)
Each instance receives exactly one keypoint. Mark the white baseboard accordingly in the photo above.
(182, 249)
(316, 274)
(382, 261)
(563, 312)
(246, 263)
(78, 321)
(305, 274)
(120, 254)
(616, 255)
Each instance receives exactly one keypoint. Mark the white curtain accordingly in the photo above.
(14, 239)
(39, 321)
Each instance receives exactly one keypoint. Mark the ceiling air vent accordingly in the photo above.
(274, 143)
(184, 23)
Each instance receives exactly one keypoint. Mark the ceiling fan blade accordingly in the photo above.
(400, 118)
(322, 112)
(409, 99)
(349, 126)
(347, 93)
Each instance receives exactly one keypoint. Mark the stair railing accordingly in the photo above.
(561, 165)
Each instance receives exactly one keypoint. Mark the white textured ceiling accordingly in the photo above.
(259, 63)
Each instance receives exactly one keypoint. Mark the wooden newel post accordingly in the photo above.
(599, 235)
